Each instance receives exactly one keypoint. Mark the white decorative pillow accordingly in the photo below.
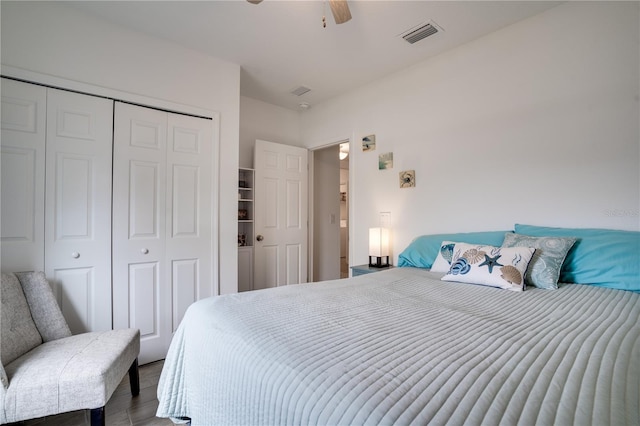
(443, 260)
(502, 267)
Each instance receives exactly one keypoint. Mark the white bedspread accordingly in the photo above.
(403, 347)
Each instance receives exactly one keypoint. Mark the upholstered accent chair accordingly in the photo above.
(45, 370)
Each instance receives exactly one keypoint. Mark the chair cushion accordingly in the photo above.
(18, 331)
(44, 308)
(73, 373)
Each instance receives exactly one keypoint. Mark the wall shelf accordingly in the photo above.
(245, 228)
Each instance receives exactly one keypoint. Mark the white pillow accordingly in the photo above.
(443, 259)
(502, 267)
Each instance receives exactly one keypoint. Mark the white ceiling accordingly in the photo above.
(281, 45)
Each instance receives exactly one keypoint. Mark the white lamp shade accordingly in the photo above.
(378, 242)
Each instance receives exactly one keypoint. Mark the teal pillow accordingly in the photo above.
(422, 251)
(600, 257)
(546, 263)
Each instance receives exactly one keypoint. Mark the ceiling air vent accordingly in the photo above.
(299, 91)
(414, 35)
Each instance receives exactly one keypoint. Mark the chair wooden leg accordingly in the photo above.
(134, 378)
(97, 417)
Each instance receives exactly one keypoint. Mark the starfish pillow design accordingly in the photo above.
(491, 262)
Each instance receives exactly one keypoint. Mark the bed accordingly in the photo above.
(402, 346)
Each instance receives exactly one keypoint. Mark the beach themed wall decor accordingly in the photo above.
(385, 161)
(369, 143)
(408, 179)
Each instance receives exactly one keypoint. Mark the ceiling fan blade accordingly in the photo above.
(254, 1)
(340, 10)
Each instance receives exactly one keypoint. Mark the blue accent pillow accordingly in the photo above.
(423, 250)
(600, 257)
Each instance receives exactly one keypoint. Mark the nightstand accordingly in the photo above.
(366, 269)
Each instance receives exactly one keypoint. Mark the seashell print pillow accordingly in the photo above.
(546, 263)
(444, 257)
(501, 267)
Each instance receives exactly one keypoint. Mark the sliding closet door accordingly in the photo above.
(78, 207)
(23, 157)
(161, 221)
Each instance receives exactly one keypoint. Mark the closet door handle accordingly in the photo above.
(75, 255)
(144, 251)
(259, 238)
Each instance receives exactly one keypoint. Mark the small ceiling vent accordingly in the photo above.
(420, 32)
(299, 91)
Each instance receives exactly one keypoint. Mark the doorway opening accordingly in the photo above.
(343, 155)
(330, 214)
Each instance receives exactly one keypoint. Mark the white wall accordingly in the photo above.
(53, 39)
(260, 120)
(537, 123)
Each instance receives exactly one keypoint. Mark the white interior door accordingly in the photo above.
(162, 235)
(281, 217)
(23, 157)
(78, 207)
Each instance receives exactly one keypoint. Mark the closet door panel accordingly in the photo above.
(76, 291)
(143, 287)
(185, 280)
(185, 200)
(78, 207)
(189, 234)
(145, 211)
(22, 174)
(74, 194)
(140, 272)
(18, 191)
